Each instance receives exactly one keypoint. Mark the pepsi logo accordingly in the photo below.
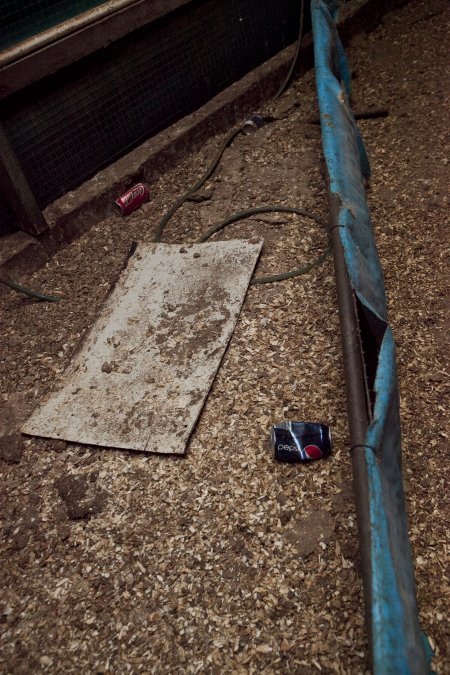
(287, 448)
(313, 452)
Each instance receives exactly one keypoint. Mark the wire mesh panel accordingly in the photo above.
(71, 125)
(21, 19)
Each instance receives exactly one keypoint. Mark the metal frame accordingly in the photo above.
(16, 190)
(51, 50)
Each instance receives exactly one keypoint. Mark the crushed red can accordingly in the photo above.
(132, 199)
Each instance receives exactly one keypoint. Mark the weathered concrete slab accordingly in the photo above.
(144, 371)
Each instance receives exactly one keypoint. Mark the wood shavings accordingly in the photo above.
(188, 568)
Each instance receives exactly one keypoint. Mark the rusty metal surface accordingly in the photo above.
(145, 369)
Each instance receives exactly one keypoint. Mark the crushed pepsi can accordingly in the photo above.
(300, 441)
(252, 123)
(132, 199)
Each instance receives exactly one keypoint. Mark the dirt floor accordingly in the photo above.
(225, 561)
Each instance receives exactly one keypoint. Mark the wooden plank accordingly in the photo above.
(145, 370)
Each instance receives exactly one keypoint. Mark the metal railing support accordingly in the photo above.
(16, 191)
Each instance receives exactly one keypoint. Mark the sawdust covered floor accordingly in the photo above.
(225, 561)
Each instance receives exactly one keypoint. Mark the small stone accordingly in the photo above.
(81, 495)
(64, 533)
(59, 446)
(21, 539)
(201, 195)
(285, 517)
(11, 448)
(107, 368)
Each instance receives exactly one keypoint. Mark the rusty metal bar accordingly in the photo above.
(358, 407)
(16, 190)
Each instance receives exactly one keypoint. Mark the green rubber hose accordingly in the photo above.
(287, 80)
(176, 205)
(304, 269)
(27, 291)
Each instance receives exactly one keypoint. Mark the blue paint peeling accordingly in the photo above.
(397, 641)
